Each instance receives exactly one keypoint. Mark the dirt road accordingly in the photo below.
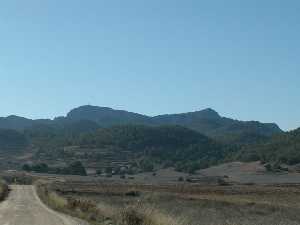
(23, 207)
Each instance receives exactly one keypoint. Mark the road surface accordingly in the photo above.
(23, 207)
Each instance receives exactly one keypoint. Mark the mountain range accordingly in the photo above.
(207, 122)
(103, 137)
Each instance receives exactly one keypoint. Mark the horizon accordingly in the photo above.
(153, 58)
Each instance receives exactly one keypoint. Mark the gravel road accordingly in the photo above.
(23, 207)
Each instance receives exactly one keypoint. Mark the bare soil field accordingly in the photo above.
(253, 172)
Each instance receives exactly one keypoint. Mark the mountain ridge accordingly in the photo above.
(208, 122)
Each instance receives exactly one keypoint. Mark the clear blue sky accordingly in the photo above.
(160, 56)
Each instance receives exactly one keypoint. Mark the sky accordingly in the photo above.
(240, 58)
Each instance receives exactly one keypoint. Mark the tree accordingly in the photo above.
(76, 168)
(40, 168)
(147, 165)
(108, 170)
(26, 168)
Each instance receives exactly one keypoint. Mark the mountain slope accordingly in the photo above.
(12, 140)
(283, 148)
(15, 122)
(106, 116)
(176, 146)
(207, 122)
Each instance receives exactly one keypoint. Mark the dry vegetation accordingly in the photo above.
(185, 204)
(3, 190)
(91, 211)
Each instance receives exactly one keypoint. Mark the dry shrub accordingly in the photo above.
(3, 190)
(135, 214)
(132, 193)
(107, 211)
(83, 205)
(57, 201)
(50, 197)
(131, 216)
(140, 214)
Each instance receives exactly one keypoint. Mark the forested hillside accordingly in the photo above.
(101, 136)
(12, 140)
(207, 122)
(164, 145)
(283, 148)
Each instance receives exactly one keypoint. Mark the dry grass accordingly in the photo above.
(57, 201)
(133, 214)
(148, 216)
(83, 209)
(179, 205)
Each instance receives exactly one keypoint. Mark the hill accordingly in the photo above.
(105, 116)
(138, 145)
(207, 122)
(103, 137)
(12, 140)
(15, 122)
(58, 134)
(281, 148)
(210, 123)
